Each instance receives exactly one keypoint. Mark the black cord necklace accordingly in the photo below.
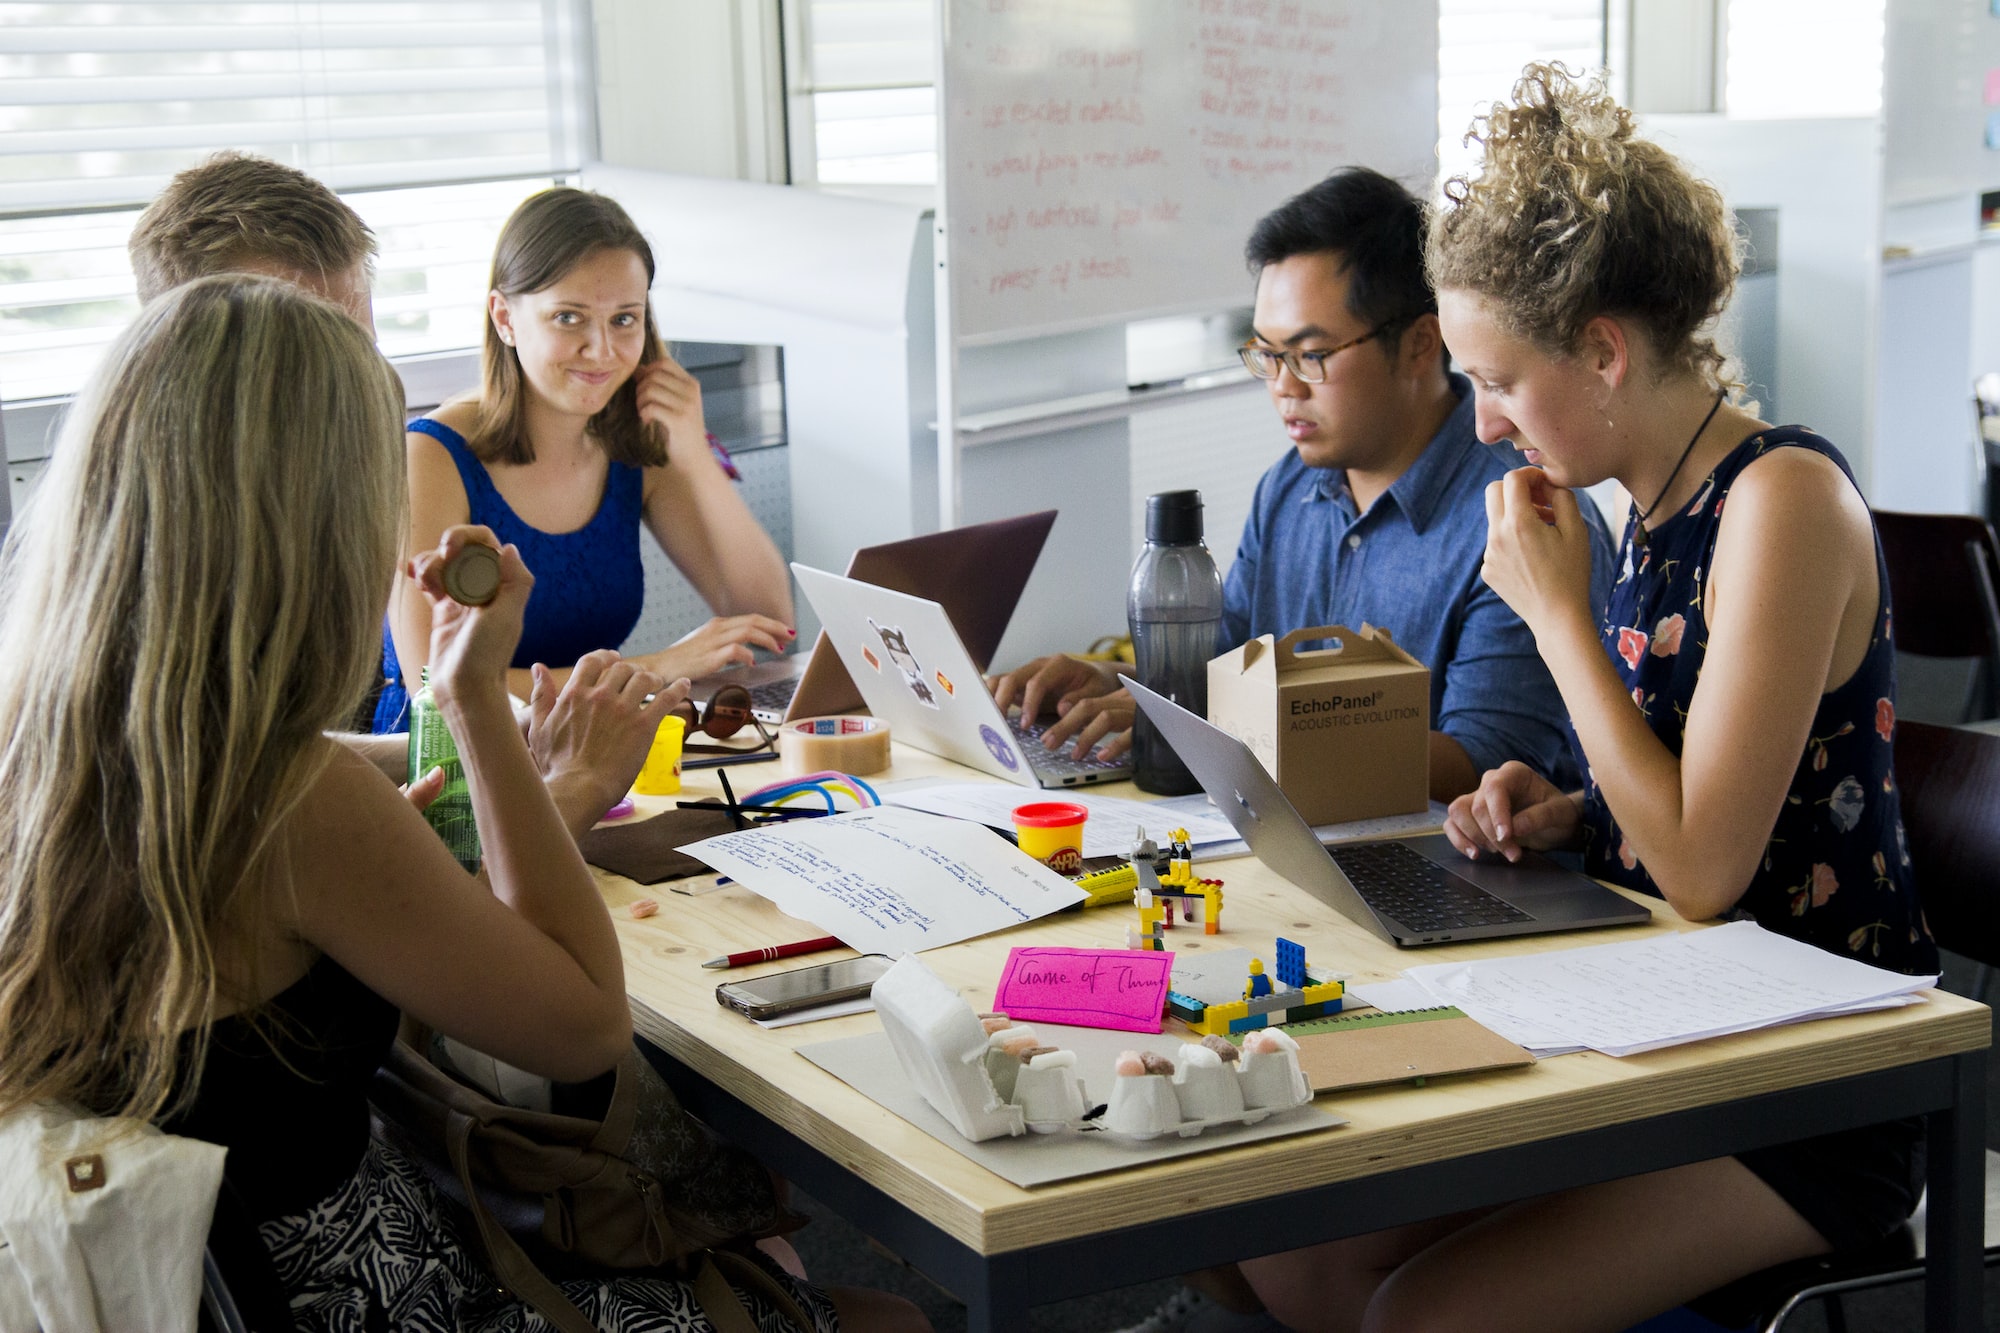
(1639, 537)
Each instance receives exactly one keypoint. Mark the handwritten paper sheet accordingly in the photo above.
(889, 880)
(1122, 989)
(1625, 998)
(1108, 832)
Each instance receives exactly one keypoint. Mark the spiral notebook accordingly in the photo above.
(1363, 1050)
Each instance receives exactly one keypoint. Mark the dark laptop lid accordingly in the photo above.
(976, 573)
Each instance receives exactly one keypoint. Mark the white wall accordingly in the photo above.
(1824, 178)
(693, 86)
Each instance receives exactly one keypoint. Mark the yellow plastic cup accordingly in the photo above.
(662, 774)
(1052, 833)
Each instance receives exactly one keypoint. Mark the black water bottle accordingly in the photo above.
(1174, 609)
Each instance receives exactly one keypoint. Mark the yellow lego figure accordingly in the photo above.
(1180, 862)
(1259, 985)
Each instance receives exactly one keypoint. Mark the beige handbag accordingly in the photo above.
(639, 1186)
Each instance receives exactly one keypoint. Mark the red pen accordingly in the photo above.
(771, 951)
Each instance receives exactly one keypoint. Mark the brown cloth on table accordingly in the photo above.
(647, 852)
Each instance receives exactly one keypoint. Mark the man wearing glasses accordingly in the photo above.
(1378, 514)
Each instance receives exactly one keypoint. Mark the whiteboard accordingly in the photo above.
(1104, 160)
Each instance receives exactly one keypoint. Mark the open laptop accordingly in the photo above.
(917, 675)
(1410, 891)
(975, 572)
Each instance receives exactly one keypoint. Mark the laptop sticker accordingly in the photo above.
(944, 682)
(899, 652)
(868, 656)
(999, 747)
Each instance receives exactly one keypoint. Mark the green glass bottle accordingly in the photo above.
(432, 746)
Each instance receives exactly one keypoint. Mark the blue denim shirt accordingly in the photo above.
(1411, 565)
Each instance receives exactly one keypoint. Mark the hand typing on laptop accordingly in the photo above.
(1514, 809)
(1088, 698)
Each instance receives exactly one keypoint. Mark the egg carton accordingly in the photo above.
(991, 1078)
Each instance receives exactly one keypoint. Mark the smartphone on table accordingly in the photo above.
(803, 987)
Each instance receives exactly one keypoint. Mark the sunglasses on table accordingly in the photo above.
(726, 714)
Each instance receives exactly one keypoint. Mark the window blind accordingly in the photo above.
(867, 70)
(102, 102)
(1482, 45)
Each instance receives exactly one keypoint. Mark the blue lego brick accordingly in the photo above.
(1291, 962)
(1185, 1007)
(1249, 1022)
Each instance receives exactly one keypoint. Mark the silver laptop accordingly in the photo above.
(975, 572)
(1410, 891)
(915, 674)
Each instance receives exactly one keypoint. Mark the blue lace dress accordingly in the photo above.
(1835, 871)
(589, 584)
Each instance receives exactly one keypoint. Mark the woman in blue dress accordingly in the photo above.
(582, 430)
(1733, 704)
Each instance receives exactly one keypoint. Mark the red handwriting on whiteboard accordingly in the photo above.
(1127, 109)
(1013, 280)
(1049, 164)
(1064, 214)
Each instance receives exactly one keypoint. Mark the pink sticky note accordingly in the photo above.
(1125, 989)
(1993, 87)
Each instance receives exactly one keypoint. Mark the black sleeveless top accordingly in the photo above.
(1835, 872)
(287, 1094)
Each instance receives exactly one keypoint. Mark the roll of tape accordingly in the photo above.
(857, 745)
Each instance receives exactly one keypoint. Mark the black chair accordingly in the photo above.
(1944, 570)
(1950, 781)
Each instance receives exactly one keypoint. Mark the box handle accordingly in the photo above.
(1361, 646)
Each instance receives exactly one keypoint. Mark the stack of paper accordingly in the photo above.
(890, 881)
(1625, 998)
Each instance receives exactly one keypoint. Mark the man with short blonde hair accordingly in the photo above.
(239, 213)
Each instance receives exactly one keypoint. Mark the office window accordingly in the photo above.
(432, 118)
(1482, 45)
(1789, 58)
(861, 76)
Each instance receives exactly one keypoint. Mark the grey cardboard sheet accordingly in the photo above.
(868, 1064)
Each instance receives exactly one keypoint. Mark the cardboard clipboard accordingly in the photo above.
(1363, 1050)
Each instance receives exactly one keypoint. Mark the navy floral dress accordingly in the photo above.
(1836, 872)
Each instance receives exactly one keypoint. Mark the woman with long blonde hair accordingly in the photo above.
(210, 913)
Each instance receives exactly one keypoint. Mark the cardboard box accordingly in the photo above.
(1345, 731)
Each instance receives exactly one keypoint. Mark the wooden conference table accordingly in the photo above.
(1406, 1154)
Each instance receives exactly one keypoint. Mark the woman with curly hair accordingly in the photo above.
(1732, 704)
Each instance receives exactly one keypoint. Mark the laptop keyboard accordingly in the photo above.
(1063, 762)
(1418, 893)
(773, 696)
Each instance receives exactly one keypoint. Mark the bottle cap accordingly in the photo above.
(1173, 518)
(473, 575)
